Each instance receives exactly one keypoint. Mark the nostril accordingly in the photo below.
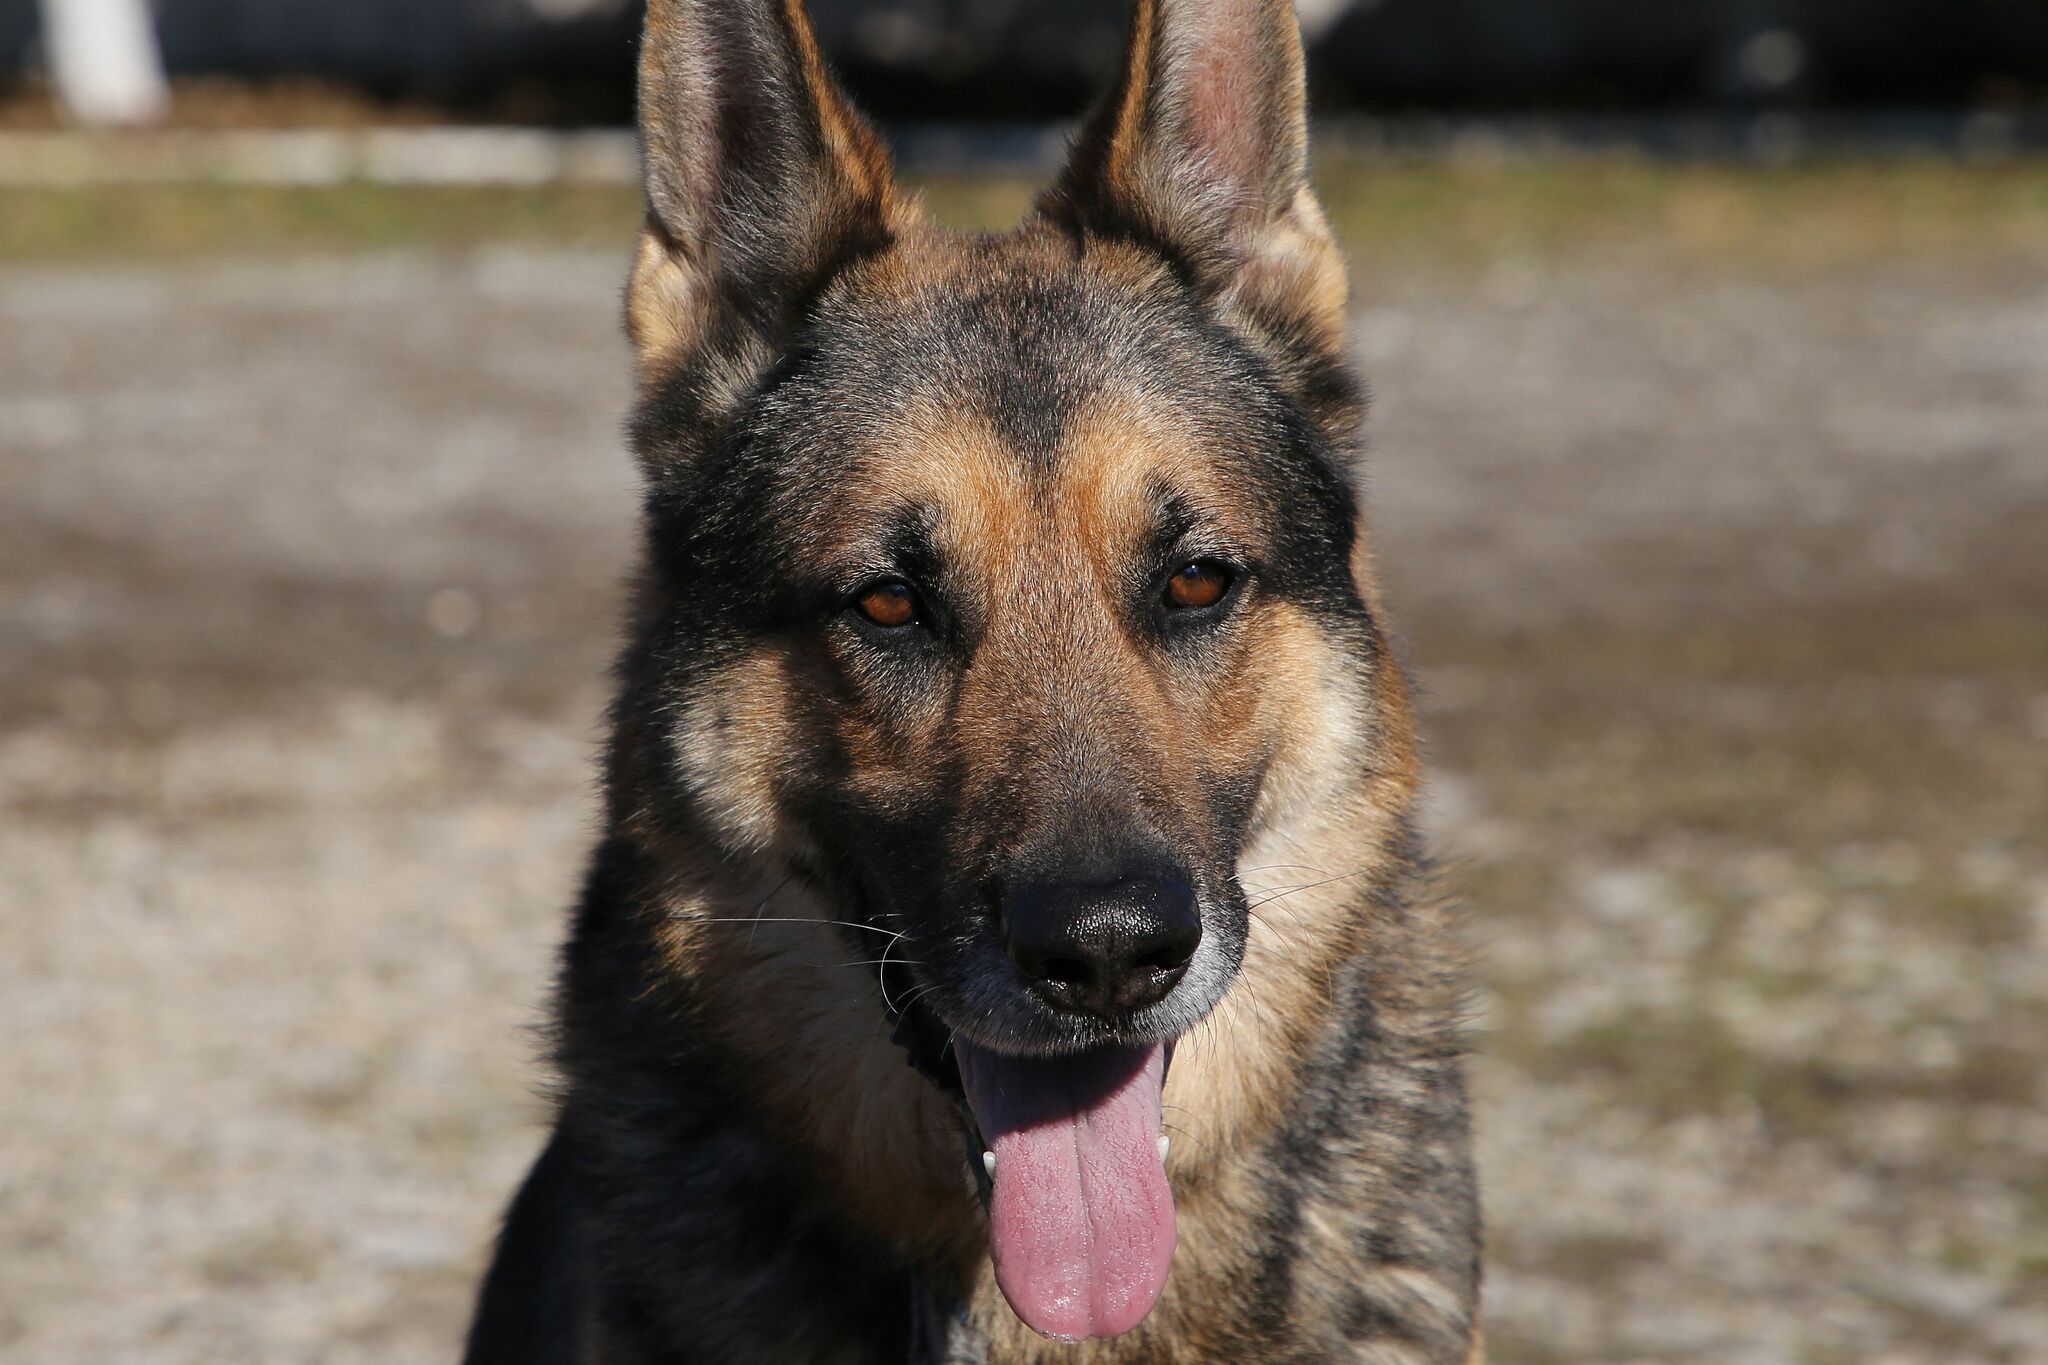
(1066, 971)
(1164, 958)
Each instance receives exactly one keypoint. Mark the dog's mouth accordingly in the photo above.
(1070, 1159)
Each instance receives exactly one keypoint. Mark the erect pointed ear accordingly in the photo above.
(761, 181)
(1202, 151)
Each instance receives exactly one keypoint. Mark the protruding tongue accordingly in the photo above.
(1081, 1220)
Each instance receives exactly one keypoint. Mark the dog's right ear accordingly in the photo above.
(761, 181)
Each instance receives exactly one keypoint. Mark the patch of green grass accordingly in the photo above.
(1684, 1061)
(1669, 1064)
(199, 220)
(257, 1259)
(1809, 215)
(1405, 212)
(970, 203)
(1828, 1355)
(1991, 919)
(1592, 1257)
(2030, 1276)
(1505, 1343)
(1799, 727)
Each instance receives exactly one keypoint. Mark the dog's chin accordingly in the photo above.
(1064, 1138)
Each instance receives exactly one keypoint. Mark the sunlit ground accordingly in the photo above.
(1713, 503)
(1425, 213)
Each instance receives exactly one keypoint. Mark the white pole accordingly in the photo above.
(1320, 16)
(104, 59)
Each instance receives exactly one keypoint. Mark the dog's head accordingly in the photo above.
(1006, 590)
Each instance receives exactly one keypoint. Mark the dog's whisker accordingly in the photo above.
(791, 919)
(1282, 894)
(920, 993)
(773, 892)
(882, 975)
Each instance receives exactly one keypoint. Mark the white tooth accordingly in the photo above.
(988, 1163)
(1162, 1148)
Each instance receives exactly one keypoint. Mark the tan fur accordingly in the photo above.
(738, 733)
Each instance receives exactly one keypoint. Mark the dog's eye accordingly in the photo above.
(890, 604)
(1197, 585)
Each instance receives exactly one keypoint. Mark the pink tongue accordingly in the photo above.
(1081, 1221)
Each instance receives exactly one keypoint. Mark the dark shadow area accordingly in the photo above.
(570, 61)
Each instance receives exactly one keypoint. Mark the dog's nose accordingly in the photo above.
(1103, 947)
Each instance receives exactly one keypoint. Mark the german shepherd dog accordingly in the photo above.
(1009, 941)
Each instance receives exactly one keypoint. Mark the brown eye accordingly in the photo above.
(1197, 585)
(890, 604)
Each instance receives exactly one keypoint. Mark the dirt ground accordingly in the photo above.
(1727, 585)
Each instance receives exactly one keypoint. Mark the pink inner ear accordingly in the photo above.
(1218, 79)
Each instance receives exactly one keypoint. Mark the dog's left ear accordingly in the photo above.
(1202, 151)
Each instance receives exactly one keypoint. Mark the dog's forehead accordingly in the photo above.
(1004, 381)
(1017, 332)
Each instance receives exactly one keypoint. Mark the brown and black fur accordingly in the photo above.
(791, 897)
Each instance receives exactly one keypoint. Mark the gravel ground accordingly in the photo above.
(1725, 586)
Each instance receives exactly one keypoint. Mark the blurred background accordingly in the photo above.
(1709, 463)
(567, 60)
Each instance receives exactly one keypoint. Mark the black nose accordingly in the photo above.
(1103, 946)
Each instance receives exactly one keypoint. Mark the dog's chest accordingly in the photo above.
(941, 1332)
